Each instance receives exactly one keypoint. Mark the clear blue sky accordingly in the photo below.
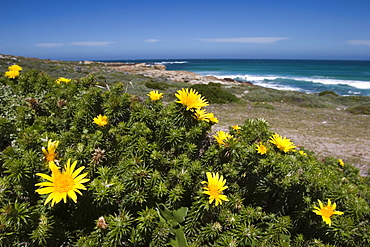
(79, 29)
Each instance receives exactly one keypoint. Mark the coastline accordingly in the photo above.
(160, 71)
(345, 78)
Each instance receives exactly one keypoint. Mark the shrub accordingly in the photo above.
(157, 85)
(360, 109)
(148, 167)
(214, 93)
(327, 93)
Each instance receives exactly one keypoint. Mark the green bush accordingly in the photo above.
(327, 93)
(147, 170)
(157, 85)
(214, 93)
(360, 109)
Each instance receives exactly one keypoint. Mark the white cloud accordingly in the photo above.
(153, 40)
(359, 42)
(92, 43)
(258, 40)
(49, 44)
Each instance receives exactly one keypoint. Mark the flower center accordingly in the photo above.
(327, 211)
(63, 183)
(50, 156)
(213, 190)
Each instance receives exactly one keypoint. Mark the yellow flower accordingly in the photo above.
(214, 188)
(101, 120)
(236, 127)
(326, 211)
(212, 118)
(15, 68)
(283, 144)
(340, 161)
(261, 149)
(62, 184)
(221, 137)
(190, 98)
(302, 153)
(12, 74)
(62, 79)
(155, 95)
(201, 115)
(50, 154)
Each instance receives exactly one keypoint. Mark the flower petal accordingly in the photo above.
(47, 177)
(72, 195)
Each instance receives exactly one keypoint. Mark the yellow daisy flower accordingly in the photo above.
(221, 137)
(326, 211)
(190, 98)
(201, 115)
(261, 149)
(215, 186)
(212, 118)
(50, 154)
(12, 74)
(236, 127)
(155, 95)
(302, 153)
(281, 143)
(15, 68)
(62, 79)
(340, 161)
(101, 120)
(62, 184)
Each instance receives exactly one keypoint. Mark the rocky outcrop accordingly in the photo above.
(159, 71)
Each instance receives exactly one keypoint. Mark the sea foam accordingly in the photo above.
(171, 62)
(326, 81)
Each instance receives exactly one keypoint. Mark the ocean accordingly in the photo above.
(343, 77)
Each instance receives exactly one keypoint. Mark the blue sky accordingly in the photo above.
(79, 29)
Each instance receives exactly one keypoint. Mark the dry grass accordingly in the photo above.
(327, 132)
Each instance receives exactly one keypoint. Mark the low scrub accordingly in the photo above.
(323, 93)
(361, 109)
(89, 166)
(214, 93)
(157, 85)
(259, 94)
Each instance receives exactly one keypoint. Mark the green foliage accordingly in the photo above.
(146, 169)
(174, 220)
(263, 105)
(214, 93)
(157, 85)
(360, 109)
(327, 93)
(258, 94)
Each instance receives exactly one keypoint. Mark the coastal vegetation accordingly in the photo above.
(90, 156)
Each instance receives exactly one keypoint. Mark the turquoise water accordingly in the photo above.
(310, 76)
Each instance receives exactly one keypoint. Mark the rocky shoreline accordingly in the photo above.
(160, 71)
(144, 69)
